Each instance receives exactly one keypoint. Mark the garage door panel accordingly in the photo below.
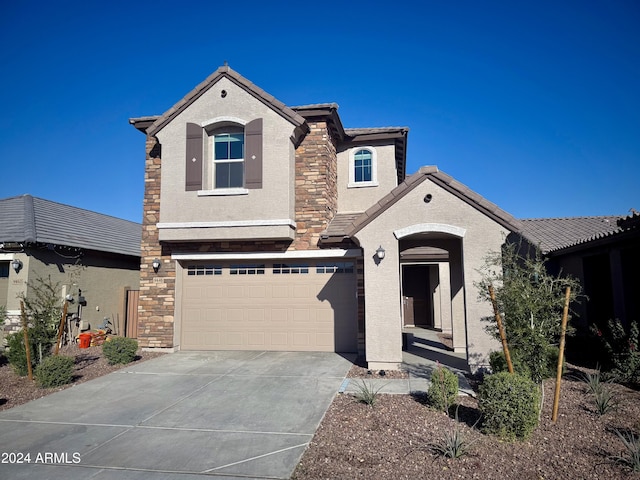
(303, 311)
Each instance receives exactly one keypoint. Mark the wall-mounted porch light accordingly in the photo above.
(16, 265)
(380, 252)
(156, 265)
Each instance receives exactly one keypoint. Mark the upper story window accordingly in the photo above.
(363, 170)
(224, 156)
(228, 159)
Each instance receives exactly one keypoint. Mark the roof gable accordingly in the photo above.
(30, 220)
(446, 182)
(222, 72)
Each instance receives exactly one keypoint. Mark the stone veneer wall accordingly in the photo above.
(316, 203)
(316, 185)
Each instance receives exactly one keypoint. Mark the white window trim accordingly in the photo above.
(214, 162)
(374, 168)
(223, 192)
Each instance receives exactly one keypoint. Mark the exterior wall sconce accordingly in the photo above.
(16, 265)
(380, 252)
(156, 265)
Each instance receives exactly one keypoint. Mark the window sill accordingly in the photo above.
(362, 184)
(223, 192)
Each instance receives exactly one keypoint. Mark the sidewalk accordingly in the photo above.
(422, 357)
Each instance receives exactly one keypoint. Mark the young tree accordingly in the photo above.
(43, 308)
(531, 301)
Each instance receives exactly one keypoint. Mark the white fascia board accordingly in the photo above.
(6, 256)
(239, 223)
(292, 254)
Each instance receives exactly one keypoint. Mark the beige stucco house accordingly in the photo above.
(276, 228)
(93, 258)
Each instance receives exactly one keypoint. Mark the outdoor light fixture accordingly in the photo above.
(380, 252)
(156, 265)
(16, 265)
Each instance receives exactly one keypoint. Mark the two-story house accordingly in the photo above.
(276, 228)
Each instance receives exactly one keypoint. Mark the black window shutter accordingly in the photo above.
(193, 159)
(253, 154)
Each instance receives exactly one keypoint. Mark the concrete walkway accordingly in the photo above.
(424, 353)
(181, 416)
(190, 415)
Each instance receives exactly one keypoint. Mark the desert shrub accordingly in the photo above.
(54, 371)
(630, 457)
(367, 393)
(120, 350)
(531, 302)
(17, 355)
(542, 358)
(622, 358)
(509, 403)
(443, 390)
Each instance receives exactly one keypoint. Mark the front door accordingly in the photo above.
(416, 300)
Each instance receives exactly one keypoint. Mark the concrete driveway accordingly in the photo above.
(186, 415)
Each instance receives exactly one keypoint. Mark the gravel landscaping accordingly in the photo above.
(393, 440)
(89, 364)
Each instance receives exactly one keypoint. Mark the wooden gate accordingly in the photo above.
(131, 321)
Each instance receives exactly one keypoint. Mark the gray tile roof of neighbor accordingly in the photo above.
(553, 234)
(29, 220)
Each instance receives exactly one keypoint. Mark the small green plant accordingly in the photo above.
(451, 445)
(593, 381)
(604, 400)
(621, 351)
(54, 371)
(630, 457)
(17, 355)
(510, 404)
(120, 350)
(443, 390)
(367, 393)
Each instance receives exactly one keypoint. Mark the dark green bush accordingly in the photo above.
(54, 371)
(544, 367)
(443, 390)
(120, 350)
(622, 351)
(16, 354)
(509, 403)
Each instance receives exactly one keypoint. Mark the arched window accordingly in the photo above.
(363, 167)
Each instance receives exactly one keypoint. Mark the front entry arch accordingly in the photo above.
(431, 264)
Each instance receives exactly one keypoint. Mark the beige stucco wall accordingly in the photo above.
(274, 201)
(101, 278)
(358, 199)
(382, 281)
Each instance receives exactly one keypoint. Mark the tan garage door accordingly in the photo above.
(302, 306)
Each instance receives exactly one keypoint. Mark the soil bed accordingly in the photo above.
(392, 440)
(89, 364)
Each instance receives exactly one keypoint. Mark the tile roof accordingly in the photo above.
(553, 234)
(222, 72)
(29, 220)
(347, 225)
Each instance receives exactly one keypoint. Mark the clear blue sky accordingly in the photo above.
(535, 105)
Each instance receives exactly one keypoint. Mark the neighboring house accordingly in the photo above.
(276, 228)
(603, 253)
(88, 254)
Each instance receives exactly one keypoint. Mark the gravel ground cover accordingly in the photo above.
(89, 364)
(393, 440)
